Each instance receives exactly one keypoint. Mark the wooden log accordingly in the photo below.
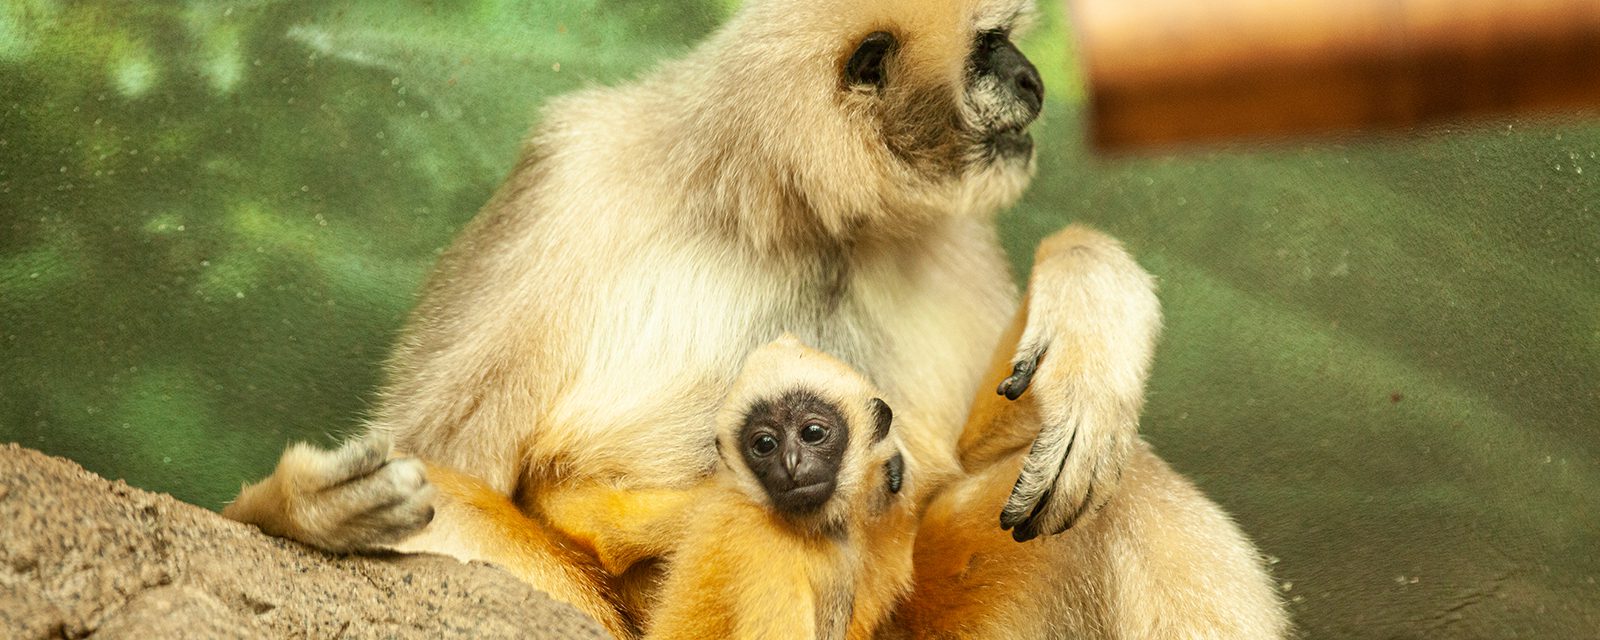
(1164, 72)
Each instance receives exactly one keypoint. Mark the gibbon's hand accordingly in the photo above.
(1084, 355)
(351, 499)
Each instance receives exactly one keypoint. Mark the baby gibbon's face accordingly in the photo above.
(806, 435)
(794, 444)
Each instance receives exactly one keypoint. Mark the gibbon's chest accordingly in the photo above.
(679, 327)
(919, 322)
(922, 329)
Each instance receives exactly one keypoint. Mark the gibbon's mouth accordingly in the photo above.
(1011, 142)
(803, 500)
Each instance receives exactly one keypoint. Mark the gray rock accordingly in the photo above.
(83, 556)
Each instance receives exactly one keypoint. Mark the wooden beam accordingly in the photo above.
(1164, 72)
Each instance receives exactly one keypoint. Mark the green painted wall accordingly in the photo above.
(1384, 357)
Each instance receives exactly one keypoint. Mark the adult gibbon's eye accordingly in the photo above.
(813, 433)
(866, 64)
(985, 43)
(764, 444)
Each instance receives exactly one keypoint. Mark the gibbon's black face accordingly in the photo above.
(795, 445)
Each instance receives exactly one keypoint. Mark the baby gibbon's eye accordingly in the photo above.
(764, 444)
(813, 433)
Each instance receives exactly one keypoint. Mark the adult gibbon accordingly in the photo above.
(827, 168)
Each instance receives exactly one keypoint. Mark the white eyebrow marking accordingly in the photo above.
(1010, 16)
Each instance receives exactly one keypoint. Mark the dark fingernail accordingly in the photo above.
(1008, 520)
(894, 471)
(1021, 376)
(1024, 533)
(1011, 388)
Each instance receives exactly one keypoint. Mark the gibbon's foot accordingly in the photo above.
(1083, 358)
(351, 499)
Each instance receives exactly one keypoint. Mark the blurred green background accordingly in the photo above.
(1383, 357)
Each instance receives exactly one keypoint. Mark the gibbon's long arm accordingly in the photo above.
(1084, 339)
(365, 496)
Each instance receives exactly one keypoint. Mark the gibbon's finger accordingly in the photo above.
(393, 517)
(894, 472)
(1060, 506)
(1022, 371)
(358, 458)
(389, 484)
(1056, 513)
(1025, 531)
(1088, 475)
(381, 507)
(1045, 461)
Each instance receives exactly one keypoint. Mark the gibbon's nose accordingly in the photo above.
(791, 464)
(1029, 86)
(1017, 74)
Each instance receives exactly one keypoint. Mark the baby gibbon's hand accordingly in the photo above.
(1083, 358)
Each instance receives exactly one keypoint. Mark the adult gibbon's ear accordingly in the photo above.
(865, 67)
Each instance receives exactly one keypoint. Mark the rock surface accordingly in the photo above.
(82, 556)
